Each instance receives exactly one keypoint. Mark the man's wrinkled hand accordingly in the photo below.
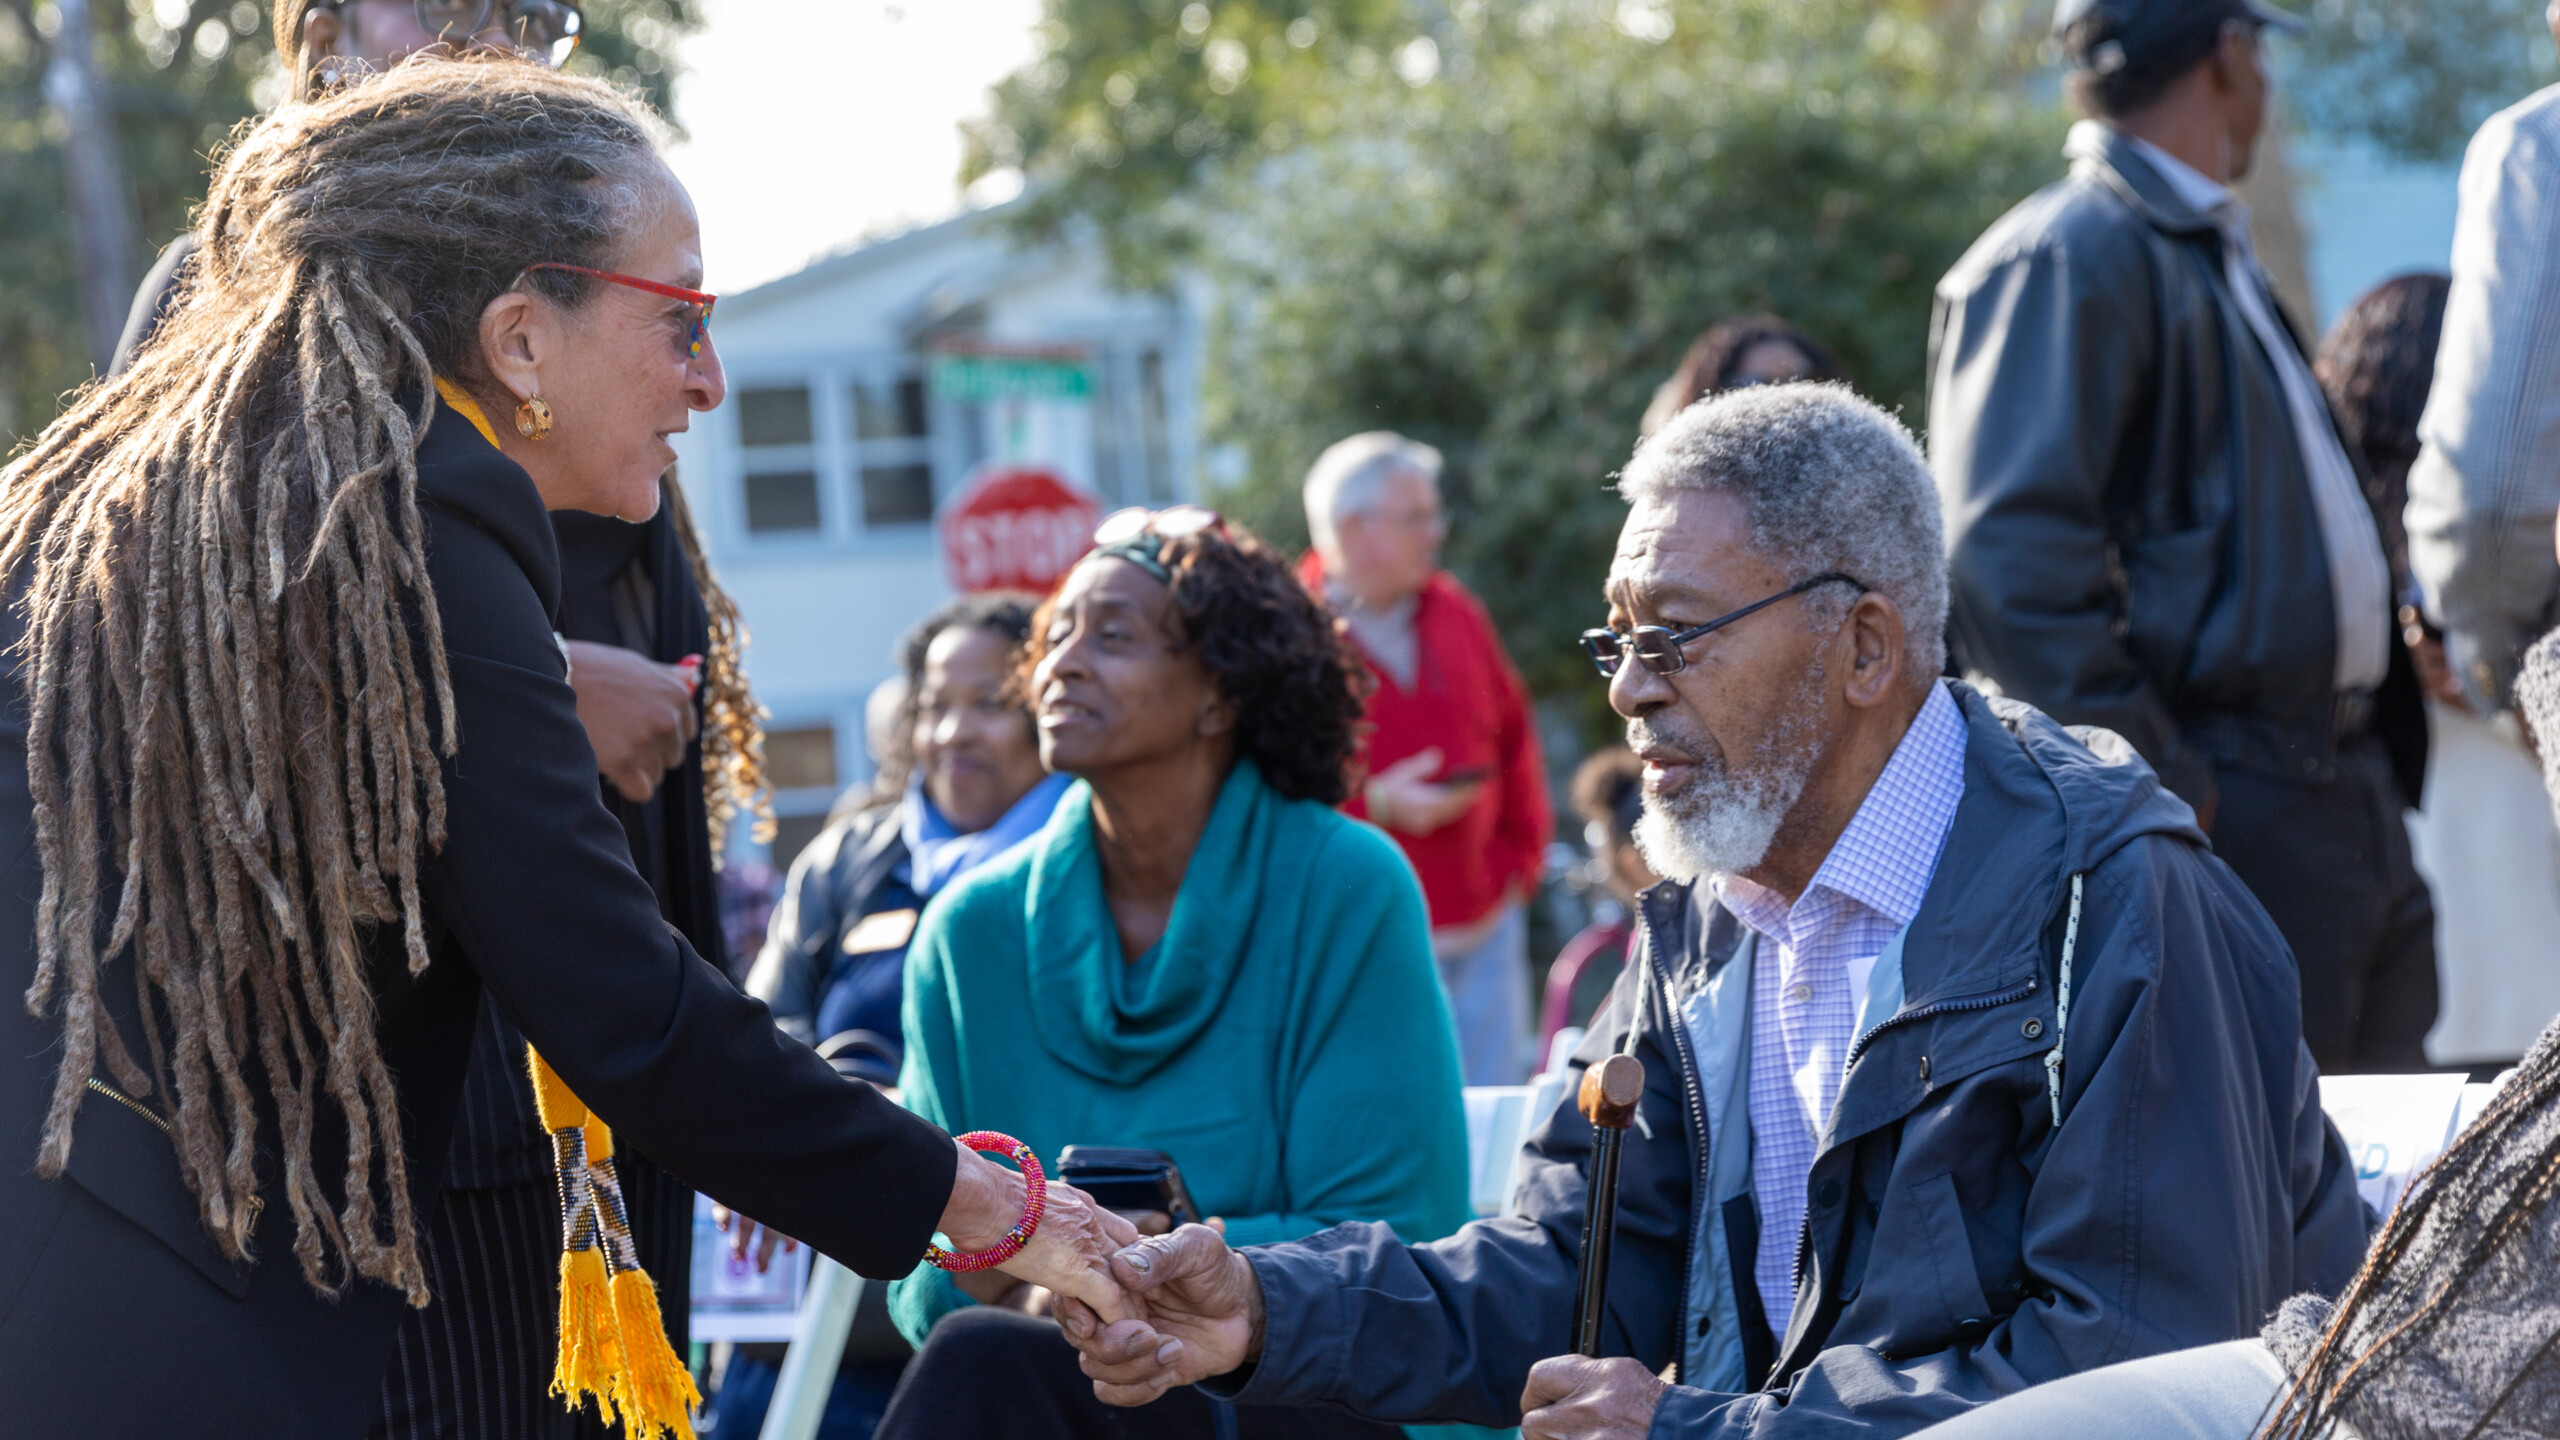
(638, 714)
(1071, 1253)
(1574, 1398)
(1202, 1317)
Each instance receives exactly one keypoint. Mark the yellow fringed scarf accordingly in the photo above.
(613, 1342)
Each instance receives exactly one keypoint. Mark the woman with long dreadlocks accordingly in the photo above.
(297, 772)
(654, 651)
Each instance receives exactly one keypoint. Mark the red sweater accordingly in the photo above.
(1467, 700)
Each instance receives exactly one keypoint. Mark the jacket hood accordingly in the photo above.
(2107, 792)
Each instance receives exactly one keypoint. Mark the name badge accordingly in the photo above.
(880, 930)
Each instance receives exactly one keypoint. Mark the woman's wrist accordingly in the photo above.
(986, 1202)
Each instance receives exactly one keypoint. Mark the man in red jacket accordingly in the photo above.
(1452, 757)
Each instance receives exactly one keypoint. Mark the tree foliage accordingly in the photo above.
(2415, 79)
(1501, 247)
(1131, 102)
(182, 75)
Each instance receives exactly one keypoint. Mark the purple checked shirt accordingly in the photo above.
(1810, 966)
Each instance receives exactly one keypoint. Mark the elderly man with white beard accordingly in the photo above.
(1967, 1065)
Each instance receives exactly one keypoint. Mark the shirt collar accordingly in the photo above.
(2209, 197)
(1885, 857)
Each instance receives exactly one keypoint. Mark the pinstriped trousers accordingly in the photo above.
(476, 1363)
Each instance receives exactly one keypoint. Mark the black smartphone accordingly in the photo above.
(1129, 1180)
(1466, 775)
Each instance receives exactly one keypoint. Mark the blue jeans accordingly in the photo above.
(1488, 990)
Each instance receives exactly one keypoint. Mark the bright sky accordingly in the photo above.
(815, 123)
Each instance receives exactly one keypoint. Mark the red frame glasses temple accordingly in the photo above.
(701, 322)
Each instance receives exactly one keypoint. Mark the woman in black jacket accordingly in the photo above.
(299, 772)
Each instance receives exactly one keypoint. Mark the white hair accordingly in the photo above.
(1350, 478)
(1831, 482)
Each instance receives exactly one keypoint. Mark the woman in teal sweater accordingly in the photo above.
(1199, 955)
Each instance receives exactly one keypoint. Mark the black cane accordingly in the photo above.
(1608, 1099)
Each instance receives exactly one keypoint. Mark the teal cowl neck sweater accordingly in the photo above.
(1286, 1042)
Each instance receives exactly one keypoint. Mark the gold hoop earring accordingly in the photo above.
(533, 418)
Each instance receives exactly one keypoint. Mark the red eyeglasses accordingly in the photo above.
(696, 298)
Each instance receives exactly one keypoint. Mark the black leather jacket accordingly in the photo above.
(2129, 514)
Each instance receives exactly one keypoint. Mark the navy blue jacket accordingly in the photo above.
(1959, 1245)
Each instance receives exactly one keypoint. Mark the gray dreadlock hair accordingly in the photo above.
(238, 695)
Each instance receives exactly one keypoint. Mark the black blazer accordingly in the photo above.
(118, 1317)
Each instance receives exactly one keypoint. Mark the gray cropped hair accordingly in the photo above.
(1348, 477)
(1831, 482)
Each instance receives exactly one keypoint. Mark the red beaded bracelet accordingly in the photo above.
(1036, 1204)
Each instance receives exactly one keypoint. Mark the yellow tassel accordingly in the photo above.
(599, 1141)
(590, 1335)
(654, 1390)
(560, 1107)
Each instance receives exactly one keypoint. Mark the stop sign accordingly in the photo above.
(1016, 527)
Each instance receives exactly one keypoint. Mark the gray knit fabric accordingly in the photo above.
(2483, 1360)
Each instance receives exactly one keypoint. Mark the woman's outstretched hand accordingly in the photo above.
(1196, 1312)
(1071, 1252)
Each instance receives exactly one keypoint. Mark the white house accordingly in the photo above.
(817, 483)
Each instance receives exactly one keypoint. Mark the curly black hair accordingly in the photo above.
(1276, 652)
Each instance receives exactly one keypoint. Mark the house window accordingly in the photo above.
(776, 430)
(893, 450)
(781, 501)
(801, 759)
(800, 764)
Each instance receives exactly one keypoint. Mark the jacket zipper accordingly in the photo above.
(1804, 1230)
(128, 1102)
(1700, 1182)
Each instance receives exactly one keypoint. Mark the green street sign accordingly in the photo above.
(974, 379)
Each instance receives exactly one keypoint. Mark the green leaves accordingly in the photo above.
(2415, 79)
(183, 74)
(1507, 264)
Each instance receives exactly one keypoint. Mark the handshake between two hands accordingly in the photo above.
(1147, 1312)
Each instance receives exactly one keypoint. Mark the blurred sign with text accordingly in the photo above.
(1016, 527)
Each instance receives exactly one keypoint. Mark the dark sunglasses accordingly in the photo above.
(1665, 651)
(701, 301)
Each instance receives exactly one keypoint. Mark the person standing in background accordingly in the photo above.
(1452, 753)
(653, 646)
(2481, 500)
(2486, 483)
(2155, 527)
(1747, 350)
(2484, 842)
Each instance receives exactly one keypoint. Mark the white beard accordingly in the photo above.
(1722, 822)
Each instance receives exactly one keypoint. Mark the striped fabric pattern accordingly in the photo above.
(477, 1362)
(1810, 968)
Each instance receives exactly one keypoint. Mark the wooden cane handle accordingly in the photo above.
(1610, 1091)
